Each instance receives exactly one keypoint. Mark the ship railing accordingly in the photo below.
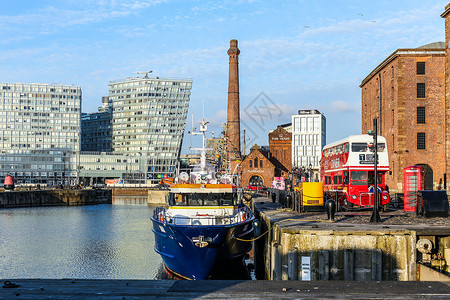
(241, 215)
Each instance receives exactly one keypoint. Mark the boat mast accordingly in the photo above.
(202, 131)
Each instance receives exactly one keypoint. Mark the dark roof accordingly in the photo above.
(435, 45)
(436, 48)
(285, 125)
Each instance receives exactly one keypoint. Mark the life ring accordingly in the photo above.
(161, 218)
(244, 216)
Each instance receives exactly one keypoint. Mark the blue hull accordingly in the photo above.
(181, 256)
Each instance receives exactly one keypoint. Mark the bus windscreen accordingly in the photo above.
(364, 147)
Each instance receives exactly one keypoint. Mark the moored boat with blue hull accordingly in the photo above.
(195, 251)
(205, 227)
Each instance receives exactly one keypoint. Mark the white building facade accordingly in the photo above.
(308, 139)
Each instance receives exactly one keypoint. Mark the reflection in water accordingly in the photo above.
(92, 242)
(130, 200)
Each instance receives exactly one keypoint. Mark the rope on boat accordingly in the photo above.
(254, 239)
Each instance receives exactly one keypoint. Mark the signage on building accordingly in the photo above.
(280, 138)
(254, 171)
(113, 181)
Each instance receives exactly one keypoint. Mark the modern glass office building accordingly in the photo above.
(40, 132)
(308, 139)
(142, 122)
(148, 119)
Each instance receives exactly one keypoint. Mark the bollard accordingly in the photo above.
(274, 197)
(331, 209)
(288, 201)
(257, 228)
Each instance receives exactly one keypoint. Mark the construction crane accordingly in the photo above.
(146, 73)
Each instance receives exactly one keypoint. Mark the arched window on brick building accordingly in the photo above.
(256, 162)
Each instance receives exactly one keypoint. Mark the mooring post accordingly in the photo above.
(331, 209)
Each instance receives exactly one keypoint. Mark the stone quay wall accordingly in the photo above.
(54, 198)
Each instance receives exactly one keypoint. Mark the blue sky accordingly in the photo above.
(294, 54)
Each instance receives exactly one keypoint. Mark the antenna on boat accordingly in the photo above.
(202, 131)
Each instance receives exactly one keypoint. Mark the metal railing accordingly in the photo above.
(243, 214)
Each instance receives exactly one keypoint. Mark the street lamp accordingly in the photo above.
(375, 218)
(310, 172)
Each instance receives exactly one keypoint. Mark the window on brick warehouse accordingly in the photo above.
(421, 90)
(421, 115)
(420, 67)
(421, 141)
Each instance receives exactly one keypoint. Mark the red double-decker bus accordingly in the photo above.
(348, 171)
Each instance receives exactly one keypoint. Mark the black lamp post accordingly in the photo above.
(310, 172)
(375, 218)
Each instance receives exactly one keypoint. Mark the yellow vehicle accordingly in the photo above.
(311, 196)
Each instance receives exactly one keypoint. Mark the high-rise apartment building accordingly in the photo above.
(148, 119)
(308, 139)
(40, 135)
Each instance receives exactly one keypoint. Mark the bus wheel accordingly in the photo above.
(345, 204)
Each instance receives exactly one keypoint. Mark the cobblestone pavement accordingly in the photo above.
(394, 216)
(397, 217)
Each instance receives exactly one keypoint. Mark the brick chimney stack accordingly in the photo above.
(233, 115)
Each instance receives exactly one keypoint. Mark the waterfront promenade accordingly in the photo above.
(348, 248)
(223, 289)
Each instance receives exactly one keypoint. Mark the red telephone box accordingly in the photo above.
(413, 182)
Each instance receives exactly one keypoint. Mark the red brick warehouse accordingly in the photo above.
(409, 94)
